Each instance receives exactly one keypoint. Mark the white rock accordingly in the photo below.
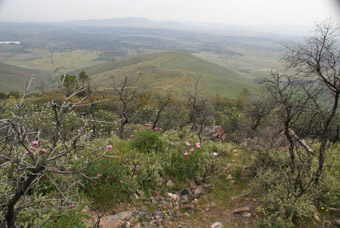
(242, 209)
(172, 196)
(216, 225)
(116, 220)
(246, 214)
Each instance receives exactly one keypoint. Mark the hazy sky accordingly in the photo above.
(298, 12)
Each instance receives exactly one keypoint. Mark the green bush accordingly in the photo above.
(106, 123)
(150, 173)
(145, 139)
(181, 164)
(108, 183)
(328, 191)
(280, 205)
(70, 218)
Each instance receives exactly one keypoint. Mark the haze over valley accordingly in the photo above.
(77, 45)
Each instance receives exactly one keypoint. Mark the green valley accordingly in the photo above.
(171, 70)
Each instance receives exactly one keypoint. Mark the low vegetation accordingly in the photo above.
(72, 157)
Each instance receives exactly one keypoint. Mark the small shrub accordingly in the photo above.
(109, 183)
(150, 171)
(182, 162)
(145, 139)
(70, 218)
(280, 204)
(278, 207)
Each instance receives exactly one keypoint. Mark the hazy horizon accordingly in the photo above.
(242, 12)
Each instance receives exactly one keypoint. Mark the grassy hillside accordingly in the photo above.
(171, 70)
(15, 78)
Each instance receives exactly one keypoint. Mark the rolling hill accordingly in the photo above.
(15, 78)
(171, 69)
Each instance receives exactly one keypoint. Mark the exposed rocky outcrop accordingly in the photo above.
(215, 133)
(169, 208)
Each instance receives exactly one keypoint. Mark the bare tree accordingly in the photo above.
(293, 97)
(312, 74)
(154, 105)
(317, 60)
(193, 99)
(199, 110)
(256, 110)
(127, 91)
(28, 158)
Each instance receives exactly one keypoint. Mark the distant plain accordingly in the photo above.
(84, 45)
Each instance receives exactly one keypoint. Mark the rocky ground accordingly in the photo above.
(188, 208)
(224, 202)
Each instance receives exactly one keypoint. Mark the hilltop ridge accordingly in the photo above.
(164, 70)
(15, 78)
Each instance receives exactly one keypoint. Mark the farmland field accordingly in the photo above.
(40, 59)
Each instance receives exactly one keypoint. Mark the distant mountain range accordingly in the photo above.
(129, 22)
(269, 31)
